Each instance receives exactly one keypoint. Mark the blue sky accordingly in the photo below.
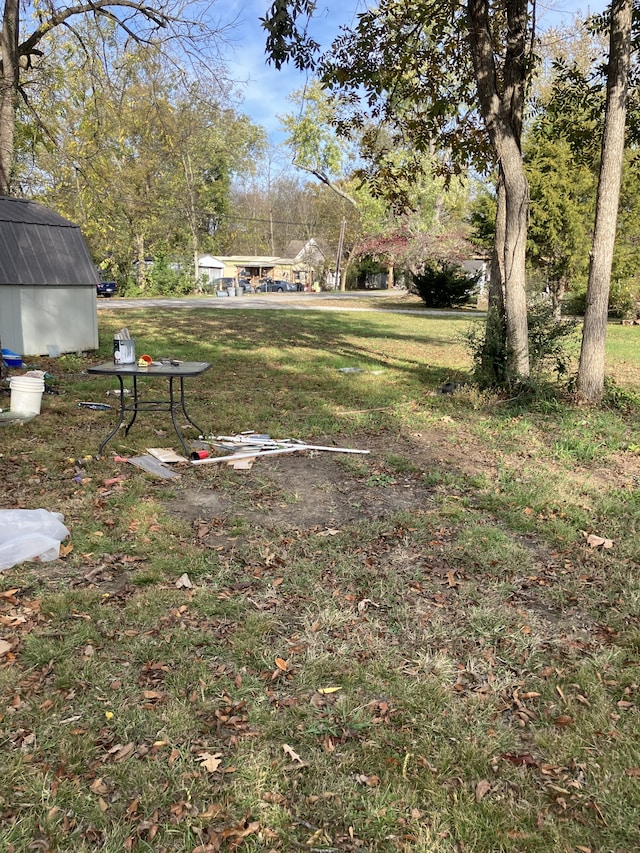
(266, 90)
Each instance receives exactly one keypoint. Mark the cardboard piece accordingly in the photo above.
(166, 454)
(244, 463)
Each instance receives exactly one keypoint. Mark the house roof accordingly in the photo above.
(208, 261)
(250, 260)
(307, 251)
(40, 247)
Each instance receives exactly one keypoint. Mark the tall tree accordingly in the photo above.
(311, 137)
(502, 96)
(562, 193)
(418, 67)
(138, 159)
(20, 55)
(591, 369)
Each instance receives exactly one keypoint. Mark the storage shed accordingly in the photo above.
(47, 281)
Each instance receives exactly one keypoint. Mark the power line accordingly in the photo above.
(312, 225)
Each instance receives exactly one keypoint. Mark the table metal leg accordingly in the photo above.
(119, 421)
(184, 409)
(133, 407)
(176, 404)
(179, 404)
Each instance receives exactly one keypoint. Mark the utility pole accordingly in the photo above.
(343, 225)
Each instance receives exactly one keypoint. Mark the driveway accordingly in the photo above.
(331, 301)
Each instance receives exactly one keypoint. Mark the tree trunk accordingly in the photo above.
(494, 351)
(558, 290)
(590, 382)
(515, 245)
(9, 78)
(502, 107)
(142, 266)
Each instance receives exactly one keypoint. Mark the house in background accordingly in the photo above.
(307, 254)
(300, 265)
(478, 268)
(47, 281)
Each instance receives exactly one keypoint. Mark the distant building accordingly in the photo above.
(209, 269)
(478, 267)
(300, 265)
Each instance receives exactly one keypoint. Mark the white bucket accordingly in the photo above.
(26, 394)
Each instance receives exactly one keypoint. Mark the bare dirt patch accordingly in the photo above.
(330, 489)
(305, 490)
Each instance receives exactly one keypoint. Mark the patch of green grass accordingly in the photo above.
(417, 650)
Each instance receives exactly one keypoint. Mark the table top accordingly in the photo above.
(179, 368)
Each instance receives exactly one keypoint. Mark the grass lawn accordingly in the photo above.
(414, 649)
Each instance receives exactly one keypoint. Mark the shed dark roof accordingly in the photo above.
(39, 247)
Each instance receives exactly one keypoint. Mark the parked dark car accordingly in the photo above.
(107, 288)
(276, 285)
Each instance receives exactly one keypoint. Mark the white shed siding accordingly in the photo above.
(32, 317)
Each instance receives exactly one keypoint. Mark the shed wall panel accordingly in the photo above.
(32, 317)
(64, 316)
(10, 319)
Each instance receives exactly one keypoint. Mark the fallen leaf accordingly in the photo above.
(121, 752)
(325, 690)
(212, 810)
(4, 647)
(210, 761)
(370, 781)
(365, 603)
(632, 771)
(10, 595)
(482, 789)
(594, 541)
(184, 582)
(273, 797)
(281, 664)
(98, 786)
(451, 578)
(153, 694)
(563, 720)
(293, 755)
(520, 760)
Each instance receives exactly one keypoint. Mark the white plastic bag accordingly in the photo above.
(29, 533)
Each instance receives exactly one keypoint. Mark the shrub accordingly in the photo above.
(444, 285)
(624, 294)
(623, 297)
(552, 346)
(166, 279)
